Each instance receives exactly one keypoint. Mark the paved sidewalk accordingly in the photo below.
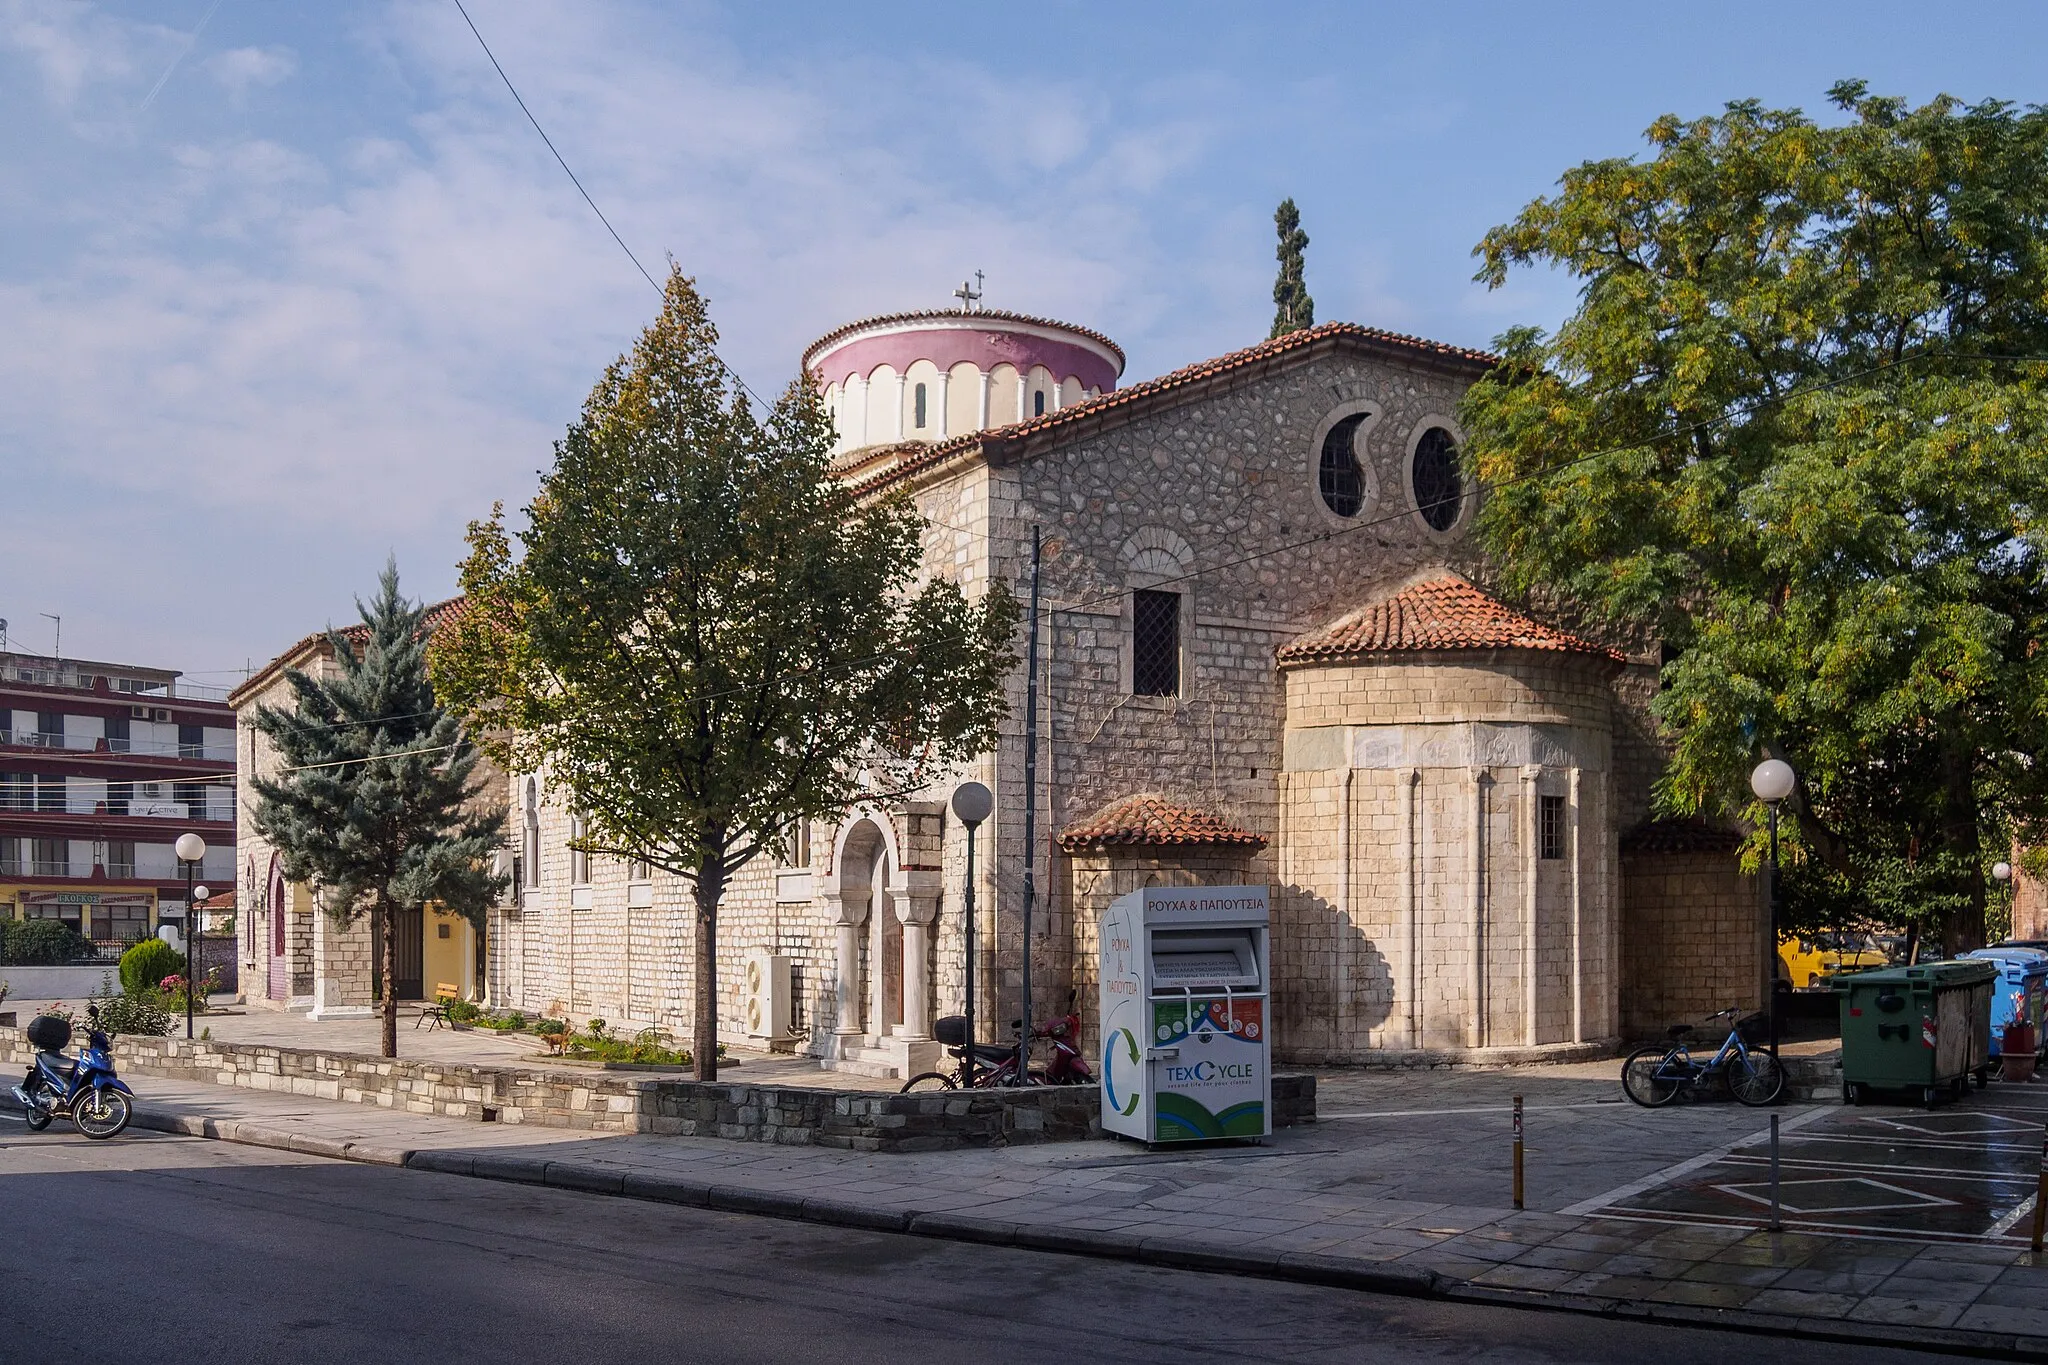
(1339, 1203)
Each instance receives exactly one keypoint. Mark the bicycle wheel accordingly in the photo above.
(929, 1080)
(1755, 1078)
(1644, 1078)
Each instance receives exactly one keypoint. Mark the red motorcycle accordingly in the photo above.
(996, 1065)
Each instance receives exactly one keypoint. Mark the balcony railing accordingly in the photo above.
(95, 744)
(219, 808)
(126, 687)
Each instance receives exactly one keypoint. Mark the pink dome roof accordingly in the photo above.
(984, 339)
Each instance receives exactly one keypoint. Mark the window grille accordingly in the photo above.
(1550, 823)
(1439, 487)
(1155, 644)
(1339, 477)
(918, 402)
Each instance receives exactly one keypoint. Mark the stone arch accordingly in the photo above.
(1155, 552)
(866, 859)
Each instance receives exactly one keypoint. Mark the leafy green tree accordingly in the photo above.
(374, 804)
(1795, 430)
(1293, 309)
(707, 636)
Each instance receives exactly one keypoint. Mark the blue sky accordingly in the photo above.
(305, 289)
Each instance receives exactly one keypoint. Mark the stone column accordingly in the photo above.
(1023, 394)
(1341, 1016)
(1532, 835)
(895, 427)
(939, 391)
(916, 896)
(1578, 917)
(981, 410)
(1475, 1021)
(341, 968)
(1411, 901)
(846, 919)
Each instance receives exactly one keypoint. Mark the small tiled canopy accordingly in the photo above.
(1441, 613)
(1152, 821)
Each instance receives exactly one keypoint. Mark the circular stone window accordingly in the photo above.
(1339, 477)
(1439, 486)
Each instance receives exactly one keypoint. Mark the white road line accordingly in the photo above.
(1671, 1173)
(2019, 1211)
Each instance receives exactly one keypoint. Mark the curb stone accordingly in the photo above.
(1300, 1267)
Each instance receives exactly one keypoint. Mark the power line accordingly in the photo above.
(559, 161)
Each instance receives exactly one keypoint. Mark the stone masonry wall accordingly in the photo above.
(1694, 935)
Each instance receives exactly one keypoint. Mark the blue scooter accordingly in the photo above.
(84, 1090)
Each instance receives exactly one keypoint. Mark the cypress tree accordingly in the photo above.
(373, 805)
(1293, 309)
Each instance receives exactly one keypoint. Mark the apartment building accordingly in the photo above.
(102, 767)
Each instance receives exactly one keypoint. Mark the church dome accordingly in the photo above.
(931, 376)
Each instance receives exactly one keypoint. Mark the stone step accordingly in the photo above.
(857, 1066)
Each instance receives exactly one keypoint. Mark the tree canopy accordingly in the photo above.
(1795, 430)
(374, 801)
(706, 636)
(1293, 309)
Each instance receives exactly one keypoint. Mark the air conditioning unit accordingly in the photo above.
(764, 996)
(138, 713)
(160, 713)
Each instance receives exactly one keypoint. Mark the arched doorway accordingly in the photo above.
(278, 980)
(883, 916)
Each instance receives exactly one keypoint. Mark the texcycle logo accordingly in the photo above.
(1204, 1072)
(1109, 1052)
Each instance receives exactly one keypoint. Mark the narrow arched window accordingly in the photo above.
(1339, 478)
(1038, 403)
(917, 400)
(1439, 486)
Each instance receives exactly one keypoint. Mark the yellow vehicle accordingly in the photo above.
(1809, 960)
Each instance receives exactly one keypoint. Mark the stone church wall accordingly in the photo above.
(1694, 944)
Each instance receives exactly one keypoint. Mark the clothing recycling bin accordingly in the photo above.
(1925, 1030)
(1185, 1050)
(2021, 993)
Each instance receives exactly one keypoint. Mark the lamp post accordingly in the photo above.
(191, 849)
(972, 802)
(1772, 781)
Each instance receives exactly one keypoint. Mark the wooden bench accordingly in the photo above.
(445, 994)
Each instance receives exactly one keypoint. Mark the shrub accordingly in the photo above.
(148, 963)
(44, 943)
(137, 1014)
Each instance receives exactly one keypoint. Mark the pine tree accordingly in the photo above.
(372, 805)
(1293, 309)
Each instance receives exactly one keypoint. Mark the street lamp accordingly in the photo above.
(1772, 781)
(972, 802)
(191, 849)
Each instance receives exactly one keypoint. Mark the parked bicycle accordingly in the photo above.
(996, 1065)
(1657, 1073)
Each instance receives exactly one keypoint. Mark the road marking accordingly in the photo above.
(2019, 1211)
(1671, 1173)
(1805, 1163)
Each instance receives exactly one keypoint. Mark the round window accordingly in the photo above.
(1439, 487)
(1339, 477)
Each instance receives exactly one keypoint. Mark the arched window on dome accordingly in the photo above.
(918, 403)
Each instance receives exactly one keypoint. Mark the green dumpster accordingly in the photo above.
(1922, 1030)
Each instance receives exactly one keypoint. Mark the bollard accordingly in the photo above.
(1518, 1152)
(1776, 1225)
(2041, 1194)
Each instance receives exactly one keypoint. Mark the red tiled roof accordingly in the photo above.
(1129, 402)
(1150, 820)
(1439, 613)
(951, 314)
(437, 616)
(1689, 835)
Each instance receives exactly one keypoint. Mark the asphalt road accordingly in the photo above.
(152, 1247)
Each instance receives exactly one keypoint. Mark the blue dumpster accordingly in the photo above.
(2021, 991)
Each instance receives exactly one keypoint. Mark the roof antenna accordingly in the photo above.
(969, 294)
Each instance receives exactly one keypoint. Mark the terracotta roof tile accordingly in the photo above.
(1128, 401)
(951, 315)
(1151, 820)
(1689, 835)
(1439, 613)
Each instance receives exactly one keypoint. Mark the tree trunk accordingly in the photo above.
(704, 1047)
(1962, 929)
(388, 950)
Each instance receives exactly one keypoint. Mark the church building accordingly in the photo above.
(1268, 654)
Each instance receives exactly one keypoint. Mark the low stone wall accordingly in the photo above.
(613, 1102)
